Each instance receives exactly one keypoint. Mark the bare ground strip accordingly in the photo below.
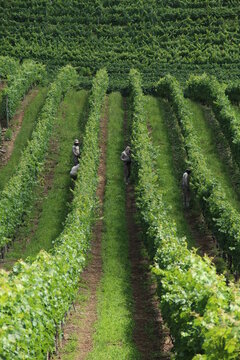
(150, 334)
(80, 324)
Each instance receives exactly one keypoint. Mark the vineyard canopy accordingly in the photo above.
(154, 36)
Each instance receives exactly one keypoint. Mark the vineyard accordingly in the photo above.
(98, 265)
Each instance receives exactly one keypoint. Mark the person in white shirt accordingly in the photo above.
(126, 158)
(186, 188)
(76, 152)
(74, 171)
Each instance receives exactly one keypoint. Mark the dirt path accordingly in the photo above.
(80, 322)
(150, 335)
(3, 84)
(203, 237)
(15, 125)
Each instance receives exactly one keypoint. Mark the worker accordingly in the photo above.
(186, 188)
(126, 158)
(73, 172)
(76, 152)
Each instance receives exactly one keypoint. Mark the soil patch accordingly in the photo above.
(80, 324)
(150, 334)
(3, 84)
(15, 125)
(201, 234)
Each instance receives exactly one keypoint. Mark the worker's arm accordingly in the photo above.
(123, 156)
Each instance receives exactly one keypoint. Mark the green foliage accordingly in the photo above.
(233, 91)
(18, 193)
(8, 134)
(8, 67)
(38, 295)
(222, 216)
(196, 303)
(164, 136)
(50, 210)
(208, 89)
(154, 36)
(24, 135)
(115, 320)
(70, 123)
(216, 151)
(29, 73)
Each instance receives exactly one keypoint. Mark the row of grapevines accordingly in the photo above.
(208, 89)
(29, 73)
(36, 297)
(200, 310)
(8, 66)
(223, 218)
(18, 193)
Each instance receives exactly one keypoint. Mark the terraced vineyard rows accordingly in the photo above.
(17, 195)
(157, 37)
(102, 265)
(21, 129)
(180, 272)
(57, 273)
(185, 306)
(43, 223)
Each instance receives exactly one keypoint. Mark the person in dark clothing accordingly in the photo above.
(76, 152)
(126, 158)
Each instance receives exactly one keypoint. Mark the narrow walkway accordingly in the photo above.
(117, 315)
(79, 329)
(114, 328)
(45, 220)
(150, 335)
(93, 273)
(168, 153)
(21, 127)
(172, 162)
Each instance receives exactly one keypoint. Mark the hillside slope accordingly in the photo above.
(155, 36)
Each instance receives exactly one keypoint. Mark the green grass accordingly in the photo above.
(114, 329)
(53, 208)
(207, 141)
(28, 124)
(165, 138)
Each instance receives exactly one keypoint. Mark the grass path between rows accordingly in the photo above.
(29, 119)
(170, 180)
(114, 328)
(127, 320)
(53, 193)
(171, 162)
(208, 142)
(78, 329)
